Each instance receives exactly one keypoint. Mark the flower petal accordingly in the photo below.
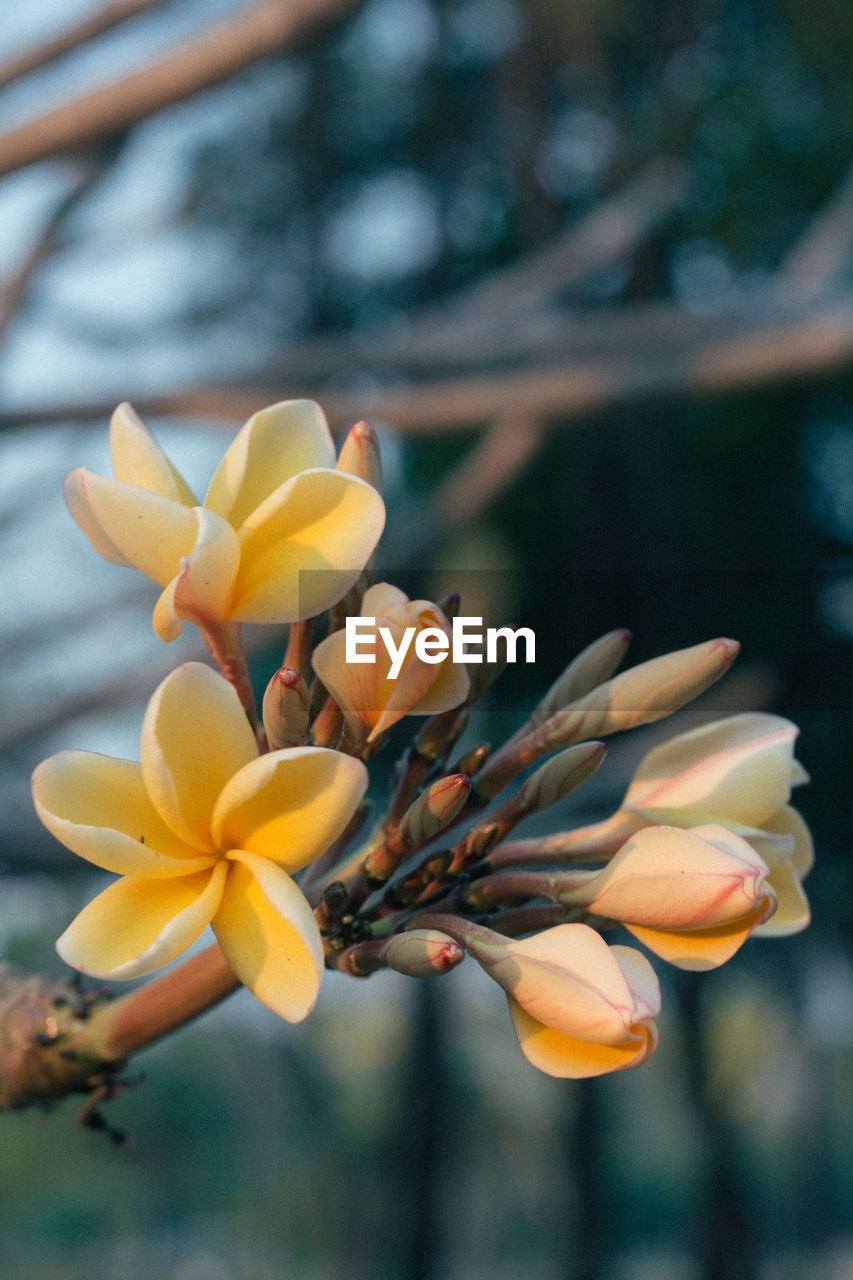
(269, 936)
(792, 913)
(789, 822)
(273, 446)
(204, 587)
(138, 458)
(704, 948)
(568, 978)
(195, 736)
(669, 878)
(734, 770)
(98, 807)
(289, 805)
(571, 1058)
(305, 546)
(135, 926)
(130, 525)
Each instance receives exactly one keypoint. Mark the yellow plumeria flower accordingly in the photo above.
(203, 831)
(280, 536)
(737, 772)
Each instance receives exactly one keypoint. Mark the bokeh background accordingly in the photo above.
(587, 267)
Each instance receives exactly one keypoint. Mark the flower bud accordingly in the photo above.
(433, 810)
(737, 772)
(594, 664)
(365, 691)
(640, 695)
(579, 1007)
(693, 897)
(560, 776)
(285, 709)
(422, 953)
(359, 455)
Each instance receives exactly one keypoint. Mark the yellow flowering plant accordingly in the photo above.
(265, 829)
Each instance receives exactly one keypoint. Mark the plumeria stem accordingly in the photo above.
(56, 1040)
(151, 1011)
(226, 645)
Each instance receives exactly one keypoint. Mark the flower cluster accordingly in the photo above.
(262, 829)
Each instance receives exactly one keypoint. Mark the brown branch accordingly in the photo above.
(498, 456)
(257, 32)
(56, 46)
(753, 349)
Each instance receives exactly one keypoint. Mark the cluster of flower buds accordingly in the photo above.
(263, 829)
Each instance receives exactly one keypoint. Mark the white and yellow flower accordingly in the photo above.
(737, 772)
(203, 831)
(281, 535)
(579, 1007)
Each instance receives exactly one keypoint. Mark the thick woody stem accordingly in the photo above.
(55, 1040)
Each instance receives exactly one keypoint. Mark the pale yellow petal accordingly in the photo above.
(306, 546)
(203, 590)
(98, 807)
(129, 525)
(195, 737)
(273, 446)
(450, 689)
(789, 822)
(135, 926)
(734, 770)
(269, 936)
(792, 913)
(289, 805)
(138, 458)
(381, 597)
(571, 1058)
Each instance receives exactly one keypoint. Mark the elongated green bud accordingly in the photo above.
(595, 663)
(640, 695)
(285, 709)
(433, 810)
(560, 776)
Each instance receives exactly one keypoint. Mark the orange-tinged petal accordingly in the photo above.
(289, 805)
(203, 589)
(130, 525)
(305, 546)
(269, 936)
(704, 948)
(138, 458)
(195, 737)
(272, 447)
(736, 770)
(450, 688)
(98, 807)
(381, 597)
(135, 926)
(571, 1058)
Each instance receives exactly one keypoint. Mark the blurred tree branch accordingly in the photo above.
(56, 46)
(254, 33)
